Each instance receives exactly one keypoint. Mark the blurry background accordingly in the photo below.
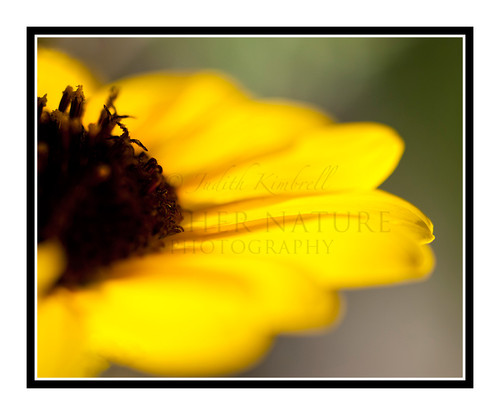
(411, 84)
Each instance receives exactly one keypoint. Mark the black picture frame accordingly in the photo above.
(466, 382)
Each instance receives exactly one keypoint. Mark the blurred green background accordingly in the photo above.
(411, 84)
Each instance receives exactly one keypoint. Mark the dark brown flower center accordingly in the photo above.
(99, 198)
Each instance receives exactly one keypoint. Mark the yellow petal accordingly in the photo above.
(235, 134)
(336, 261)
(62, 350)
(167, 316)
(375, 209)
(364, 240)
(56, 70)
(50, 264)
(340, 157)
(164, 106)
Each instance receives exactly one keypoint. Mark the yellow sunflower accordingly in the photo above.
(241, 221)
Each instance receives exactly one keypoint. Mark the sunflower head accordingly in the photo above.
(281, 212)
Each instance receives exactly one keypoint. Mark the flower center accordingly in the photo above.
(99, 198)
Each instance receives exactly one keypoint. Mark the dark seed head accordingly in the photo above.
(97, 196)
